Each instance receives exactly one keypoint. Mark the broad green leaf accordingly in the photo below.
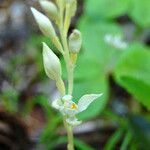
(133, 73)
(106, 8)
(140, 12)
(95, 48)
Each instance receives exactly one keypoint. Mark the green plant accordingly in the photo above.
(61, 14)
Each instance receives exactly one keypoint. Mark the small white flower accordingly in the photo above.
(116, 41)
(69, 109)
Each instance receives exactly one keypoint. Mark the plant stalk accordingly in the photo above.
(70, 70)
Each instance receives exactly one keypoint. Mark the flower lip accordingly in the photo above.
(74, 106)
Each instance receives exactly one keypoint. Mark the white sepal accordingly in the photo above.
(44, 23)
(51, 63)
(57, 104)
(86, 100)
(73, 121)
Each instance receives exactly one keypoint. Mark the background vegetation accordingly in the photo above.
(121, 119)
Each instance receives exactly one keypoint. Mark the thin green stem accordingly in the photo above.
(70, 145)
(70, 87)
(69, 66)
(63, 33)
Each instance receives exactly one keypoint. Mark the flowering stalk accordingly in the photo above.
(61, 13)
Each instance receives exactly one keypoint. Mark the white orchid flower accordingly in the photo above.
(70, 109)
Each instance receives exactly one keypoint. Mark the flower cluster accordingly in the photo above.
(60, 13)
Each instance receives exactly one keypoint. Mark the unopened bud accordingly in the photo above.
(75, 41)
(44, 23)
(50, 8)
(46, 27)
(52, 64)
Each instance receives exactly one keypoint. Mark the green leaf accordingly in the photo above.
(126, 141)
(114, 139)
(106, 8)
(81, 145)
(50, 129)
(95, 49)
(140, 12)
(140, 128)
(133, 73)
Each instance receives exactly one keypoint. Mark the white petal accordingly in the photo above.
(86, 100)
(57, 104)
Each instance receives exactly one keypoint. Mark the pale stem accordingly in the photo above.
(70, 69)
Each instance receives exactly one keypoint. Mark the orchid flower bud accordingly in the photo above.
(50, 8)
(46, 27)
(44, 23)
(75, 41)
(52, 64)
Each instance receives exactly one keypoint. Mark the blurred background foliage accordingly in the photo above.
(121, 118)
